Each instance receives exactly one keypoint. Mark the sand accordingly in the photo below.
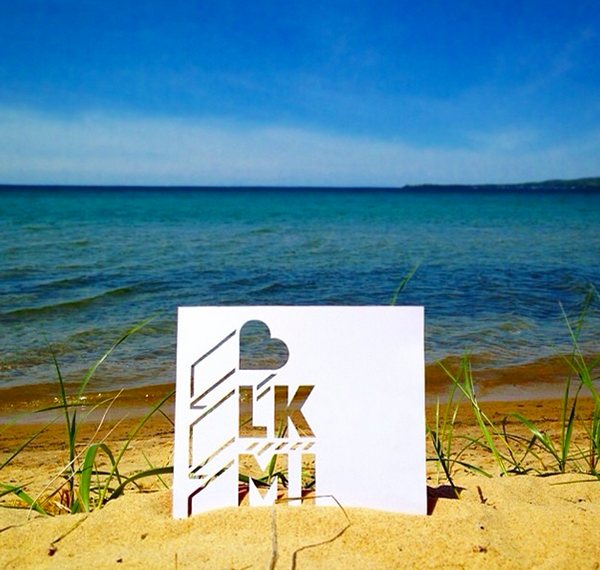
(516, 521)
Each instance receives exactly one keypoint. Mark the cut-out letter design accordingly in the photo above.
(256, 461)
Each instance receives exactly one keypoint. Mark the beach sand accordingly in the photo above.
(515, 521)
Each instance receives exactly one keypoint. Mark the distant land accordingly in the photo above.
(577, 185)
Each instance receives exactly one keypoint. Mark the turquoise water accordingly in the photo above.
(79, 266)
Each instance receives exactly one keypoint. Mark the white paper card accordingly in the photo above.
(290, 402)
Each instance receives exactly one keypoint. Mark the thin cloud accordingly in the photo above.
(111, 150)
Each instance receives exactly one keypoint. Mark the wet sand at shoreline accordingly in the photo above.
(540, 380)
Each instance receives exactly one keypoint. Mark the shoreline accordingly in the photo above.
(543, 379)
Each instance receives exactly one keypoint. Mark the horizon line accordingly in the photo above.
(586, 183)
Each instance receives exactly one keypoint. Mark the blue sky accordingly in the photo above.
(359, 93)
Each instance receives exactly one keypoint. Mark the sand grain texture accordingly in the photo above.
(525, 522)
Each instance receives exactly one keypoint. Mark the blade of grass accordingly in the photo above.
(123, 338)
(403, 284)
(137, 428)
(152, 467)
(486, 426)
(155, 472)
(20, 492)
(26, 443)
(88, 469)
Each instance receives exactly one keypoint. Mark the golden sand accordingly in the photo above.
(512, 522)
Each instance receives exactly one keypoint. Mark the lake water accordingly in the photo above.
(79, 266)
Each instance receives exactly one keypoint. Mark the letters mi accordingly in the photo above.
(248, 432)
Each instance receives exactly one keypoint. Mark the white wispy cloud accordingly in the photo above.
(98, 148)
(508, 139)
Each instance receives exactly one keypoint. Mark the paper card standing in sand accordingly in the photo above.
(300, 402)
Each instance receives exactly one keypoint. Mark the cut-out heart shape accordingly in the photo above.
(258, 351)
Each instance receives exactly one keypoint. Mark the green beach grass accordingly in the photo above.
(539, 453)
(83, 484)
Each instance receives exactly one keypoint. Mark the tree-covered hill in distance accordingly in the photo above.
(578, 184)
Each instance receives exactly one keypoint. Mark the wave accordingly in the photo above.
(74, 304)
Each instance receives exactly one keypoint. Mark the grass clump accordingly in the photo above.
(538, 451)
(85, 483)
(564, 454)
(449, 448)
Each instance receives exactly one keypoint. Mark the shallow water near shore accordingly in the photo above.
(79, 266)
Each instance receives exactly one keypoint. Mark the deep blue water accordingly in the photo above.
(79, 266)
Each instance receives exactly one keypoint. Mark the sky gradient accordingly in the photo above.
(353, 93)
